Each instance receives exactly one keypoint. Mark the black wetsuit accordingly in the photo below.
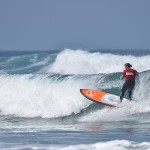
(128, 85)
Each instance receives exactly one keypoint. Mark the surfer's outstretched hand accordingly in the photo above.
(121, 77)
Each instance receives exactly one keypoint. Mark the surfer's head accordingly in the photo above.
(128, 65)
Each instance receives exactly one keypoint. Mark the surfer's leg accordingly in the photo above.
(123, 90)
(130, 95)
(130, 89)
(122, 95)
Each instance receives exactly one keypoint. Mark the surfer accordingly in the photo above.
(129, 74)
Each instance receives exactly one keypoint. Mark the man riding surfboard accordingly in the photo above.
(129, 74)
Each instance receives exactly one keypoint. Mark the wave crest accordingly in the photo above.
(84, 62)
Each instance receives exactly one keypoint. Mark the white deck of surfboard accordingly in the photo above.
(112, 99)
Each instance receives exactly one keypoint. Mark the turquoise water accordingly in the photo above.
(41, 106)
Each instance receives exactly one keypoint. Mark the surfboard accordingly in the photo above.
(101, 97)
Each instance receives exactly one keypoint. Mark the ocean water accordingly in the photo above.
(41, 107)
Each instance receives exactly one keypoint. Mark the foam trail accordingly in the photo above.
(84, 62)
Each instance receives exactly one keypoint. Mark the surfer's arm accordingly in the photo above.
(121, 77)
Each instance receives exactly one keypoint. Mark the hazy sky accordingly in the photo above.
(86, 24)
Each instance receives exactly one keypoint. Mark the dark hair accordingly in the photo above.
(128, 65)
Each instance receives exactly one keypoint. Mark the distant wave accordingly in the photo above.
(72, 62)
(84, 62)
(24, 64)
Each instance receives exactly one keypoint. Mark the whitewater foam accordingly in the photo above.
(84, 62)
(33, 96)
(110, 145)
(54, 95)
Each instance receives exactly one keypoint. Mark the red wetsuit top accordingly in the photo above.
(130, 74)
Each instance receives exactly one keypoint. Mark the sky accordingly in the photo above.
(74, 24)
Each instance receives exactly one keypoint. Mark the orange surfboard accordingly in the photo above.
(101, 97)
